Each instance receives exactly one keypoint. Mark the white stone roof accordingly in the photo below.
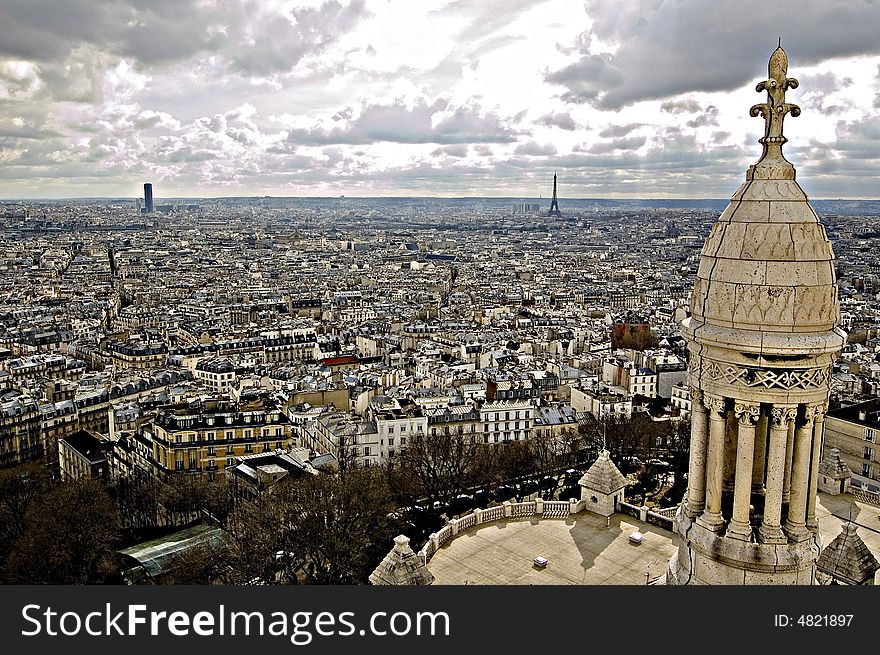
(834, 467)
(401, 566)
(847, 558)
(603, 476)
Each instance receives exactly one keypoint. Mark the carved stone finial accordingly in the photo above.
(773, 111)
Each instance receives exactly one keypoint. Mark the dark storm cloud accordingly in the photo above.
(458, 150)
(562, 120)
(249, 37)
(164, 30)
(686, 106)
(533, 149)
(399, 123)
(709, 116)
(262, 43)
(615, 131)
(717, 45)
(587, 78)
(632, 143)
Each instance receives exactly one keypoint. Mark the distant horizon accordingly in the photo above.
(562, 199)
(439, 98)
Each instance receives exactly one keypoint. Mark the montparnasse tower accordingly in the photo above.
(762, 337)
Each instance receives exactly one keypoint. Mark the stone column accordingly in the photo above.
(730, 438)
(747, 416)
(760, 459)
(818, 412)
(696, 492)
(771, 527)
(711, 518)
(796, 523)
(786, 482)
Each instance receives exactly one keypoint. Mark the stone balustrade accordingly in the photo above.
(541, 508)
(869, 497)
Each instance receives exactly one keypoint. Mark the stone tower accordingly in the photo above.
(762, 336)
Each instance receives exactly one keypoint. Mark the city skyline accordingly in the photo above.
(449, 99)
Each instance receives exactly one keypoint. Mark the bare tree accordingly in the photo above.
(70, 537)
(441, 464)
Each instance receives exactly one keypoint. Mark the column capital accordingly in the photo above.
(783, 415)
(696, 395)
(813, 411)
(747, 413)
(714, 404)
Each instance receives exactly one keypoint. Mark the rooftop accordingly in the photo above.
(582, 550)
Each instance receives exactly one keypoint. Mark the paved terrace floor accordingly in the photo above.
(582, 550)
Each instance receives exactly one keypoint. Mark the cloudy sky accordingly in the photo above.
(625, 98)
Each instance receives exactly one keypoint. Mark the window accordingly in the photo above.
(178, 438)
(211, 451)
(869, 452)
(366, 451)
(390, 429)
(278, 445)
(248, 448)
(866, 470)
(391, 441)
(229, 461)
(869, 434)
(402, 429)
(265, 446)
(403, 441)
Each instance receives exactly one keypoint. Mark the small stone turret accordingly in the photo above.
(401, 566)
(602, 486)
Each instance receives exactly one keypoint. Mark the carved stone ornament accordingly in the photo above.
(747, 413)
(767, 378)
(814, 411)
(782, 415)
(772, 163)
(696, 396)
(714, 404)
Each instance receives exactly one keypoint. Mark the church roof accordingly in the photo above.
(603, 476)
(401, 566)
(847, 558)
(834, 467)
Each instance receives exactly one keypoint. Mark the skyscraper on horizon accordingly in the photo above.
(148, 197)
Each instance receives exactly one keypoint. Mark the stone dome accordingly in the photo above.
(764, 308)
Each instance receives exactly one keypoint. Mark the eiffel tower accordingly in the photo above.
(554, 204)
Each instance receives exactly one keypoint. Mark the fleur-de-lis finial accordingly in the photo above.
(774, 110)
